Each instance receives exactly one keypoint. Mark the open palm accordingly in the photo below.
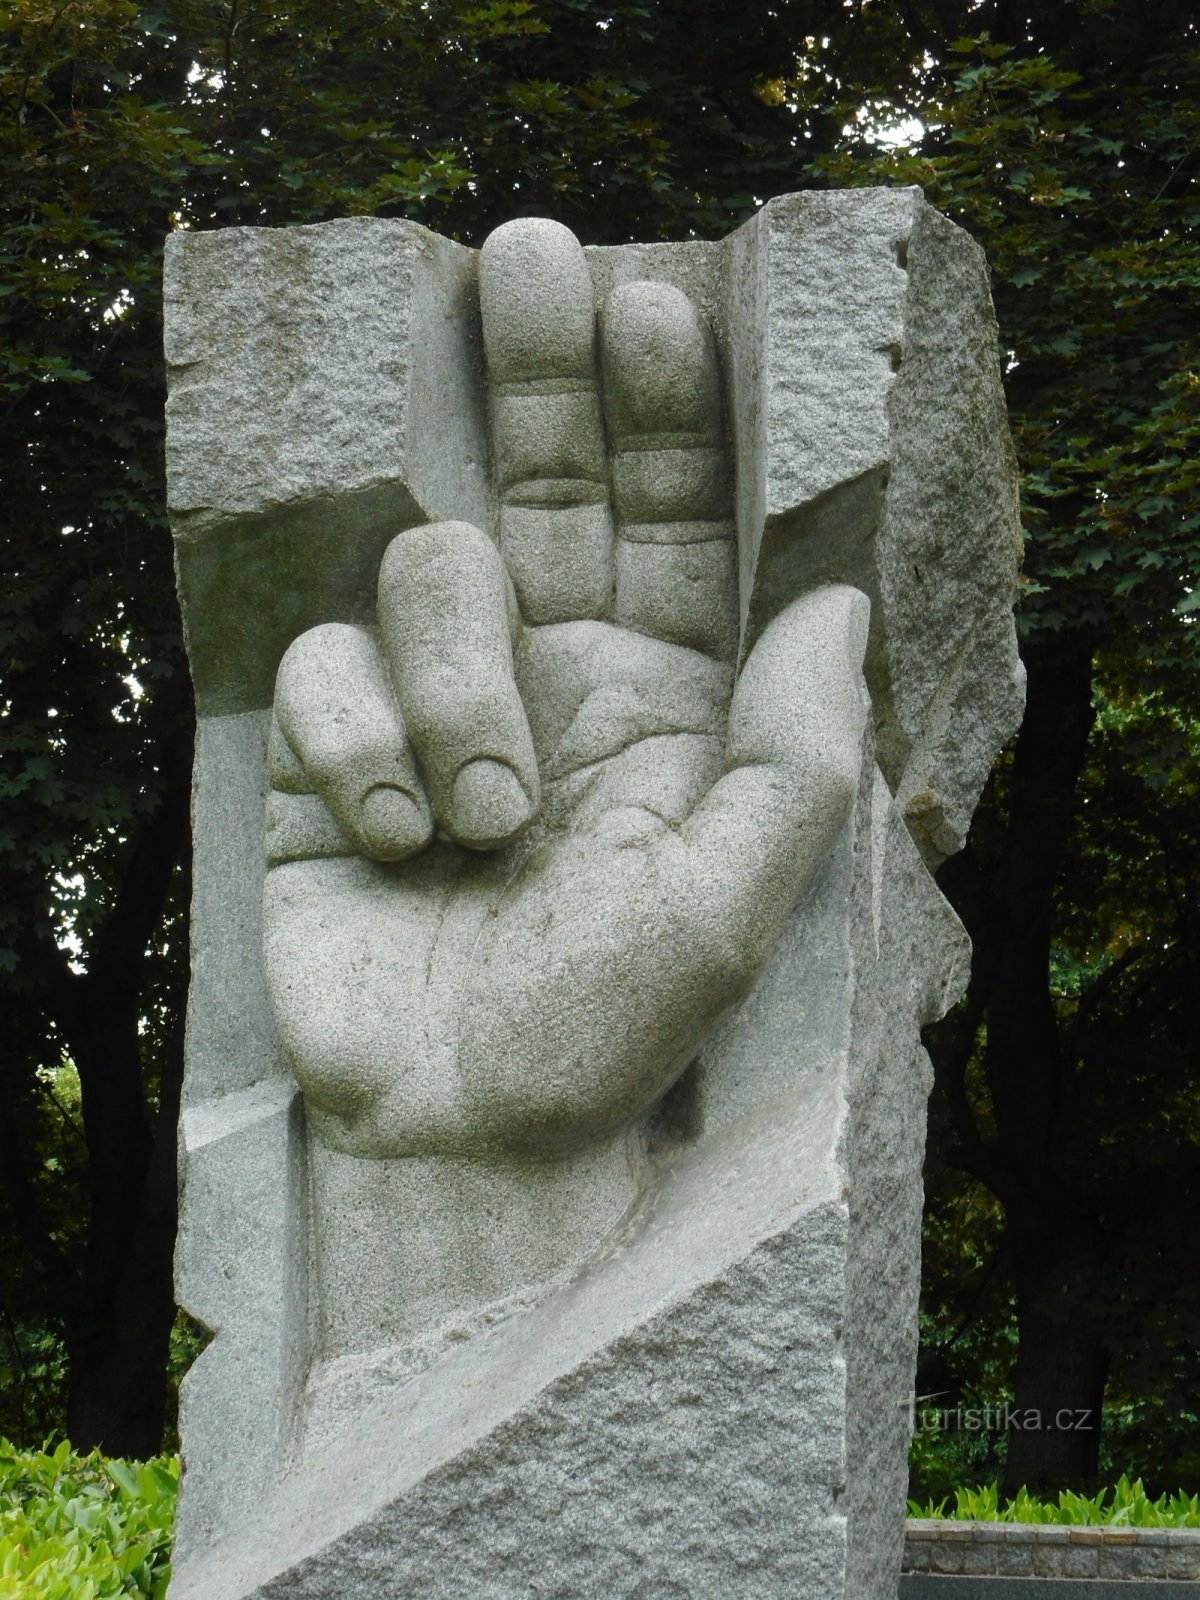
(527, 836)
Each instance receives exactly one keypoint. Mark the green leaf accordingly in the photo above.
(125, 1478)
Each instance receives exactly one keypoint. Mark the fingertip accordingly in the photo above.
(660, 362)
(394, 823)
(537, 301)
(339, 723)
(489, 805)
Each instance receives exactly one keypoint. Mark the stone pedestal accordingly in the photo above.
(675, 1360)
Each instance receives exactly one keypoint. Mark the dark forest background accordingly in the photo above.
(1063, 1222)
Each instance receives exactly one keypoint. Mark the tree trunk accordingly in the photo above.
(118, 1334)
(1004, 887)
(1062, 1362)
(119, 1338)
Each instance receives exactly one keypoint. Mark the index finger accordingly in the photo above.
(445, 628)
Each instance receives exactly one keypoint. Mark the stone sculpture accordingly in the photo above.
(589, 646)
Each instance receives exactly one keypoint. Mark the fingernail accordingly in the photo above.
(393, 824)
(489, 805)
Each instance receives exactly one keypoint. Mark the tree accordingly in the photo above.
(1067, 1082)
(120, 122)
(96, 704)
(1064, 138)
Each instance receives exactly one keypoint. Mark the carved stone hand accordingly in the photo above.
(527, 836)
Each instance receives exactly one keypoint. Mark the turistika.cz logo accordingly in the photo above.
(1003, 1417)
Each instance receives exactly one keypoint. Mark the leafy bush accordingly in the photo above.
(942, 1458)
(82, 1527)
(1129, 1507)
(33, 1369)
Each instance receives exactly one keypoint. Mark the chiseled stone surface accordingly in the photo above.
(564, 832)
(324, 392)
(508, 1467)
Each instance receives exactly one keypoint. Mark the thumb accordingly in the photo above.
(793, 757)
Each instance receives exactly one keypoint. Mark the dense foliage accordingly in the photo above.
(1125, 1506)
(1068, 1084)
(83, 1528)
(1062, 1230)
(117, 123)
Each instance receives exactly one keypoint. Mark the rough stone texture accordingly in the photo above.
(244, 1202)
(604, 1281)
(925, 1586)
(874, 450)
(1007, 1549)
(240, 1259)
(325, 391)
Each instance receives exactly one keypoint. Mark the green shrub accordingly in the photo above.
(1129, 1506)
(83, 1527)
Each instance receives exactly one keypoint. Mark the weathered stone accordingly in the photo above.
(325, 392)
(597, 932)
